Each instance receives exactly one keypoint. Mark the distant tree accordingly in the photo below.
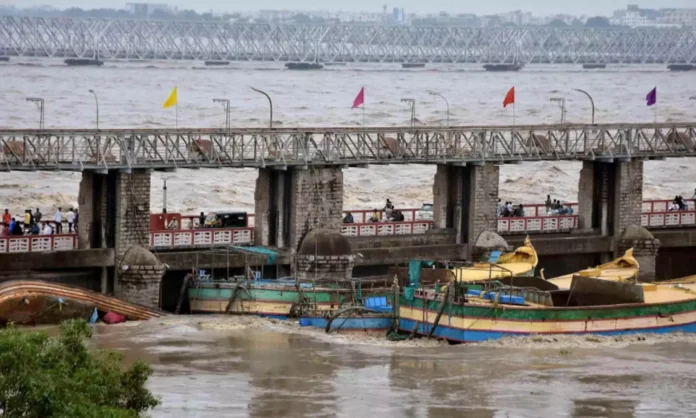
(47, 377)
(598, 22)
(557, 23)
(188, 15)
(301, 18)
(74, 12)
(577, 23)
(159, 14)
(208, 16)
(509, 25)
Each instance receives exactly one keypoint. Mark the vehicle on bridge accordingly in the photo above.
(425, 213)
(226, 220)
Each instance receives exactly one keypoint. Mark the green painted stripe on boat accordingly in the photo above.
(263, 294)
(555, 314)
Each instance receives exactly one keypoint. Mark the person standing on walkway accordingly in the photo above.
(47, 230)
(37, 216)
(59, 221)
(77, 218)
(6, 219)
(27, 221)
(70, 217)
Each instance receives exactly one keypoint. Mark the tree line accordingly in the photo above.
(300, 18)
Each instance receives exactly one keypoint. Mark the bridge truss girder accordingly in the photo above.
(179, 40)
(78, 150)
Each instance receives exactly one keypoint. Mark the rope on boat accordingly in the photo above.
(342, 311)
(233, 296)
(440, 310)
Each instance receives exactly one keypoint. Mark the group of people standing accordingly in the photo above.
(679, 204)
(33, 223)
(507, 210)
(555, 207)
(390, 215)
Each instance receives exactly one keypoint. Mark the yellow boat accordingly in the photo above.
(518, 263)
(623, 268)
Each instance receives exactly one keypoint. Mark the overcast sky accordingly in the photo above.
(538, 7)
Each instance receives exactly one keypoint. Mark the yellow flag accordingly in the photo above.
(171, 101)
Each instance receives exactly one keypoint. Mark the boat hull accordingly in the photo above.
(475, 323)
(33, 302)
(268, 301)
(378, 324)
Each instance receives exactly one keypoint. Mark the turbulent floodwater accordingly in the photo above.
(247, 367)
(131, 94)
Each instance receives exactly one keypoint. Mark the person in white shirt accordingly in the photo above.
(59, 221)
(47, 230)
(70, 217)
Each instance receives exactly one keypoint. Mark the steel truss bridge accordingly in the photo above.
(160, 149)
(180, 40)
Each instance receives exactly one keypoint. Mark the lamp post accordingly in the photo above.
(561, 102)
(96, 100)
(591, 101)
(270, 103)
(412, 105)
(40, 102)
(226, 107)
(432, 93)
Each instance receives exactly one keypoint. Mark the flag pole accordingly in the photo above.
(513, 113)
(176, 106)
(363, 109)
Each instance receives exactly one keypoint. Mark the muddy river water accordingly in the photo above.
(213, 366)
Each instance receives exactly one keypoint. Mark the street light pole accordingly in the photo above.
(226, 106)
(412, 104)
(96, 100)
(591, 101)
(561, 102)
(432, 93)
(40, 101)
(270, 103)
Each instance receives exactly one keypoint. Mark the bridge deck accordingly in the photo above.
(167, 149)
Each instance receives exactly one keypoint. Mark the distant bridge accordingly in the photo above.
(180, 40)
(167, 149)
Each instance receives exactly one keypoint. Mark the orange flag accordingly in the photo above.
(509, 97)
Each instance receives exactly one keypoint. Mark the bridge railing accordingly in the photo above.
(668, 219)
(37, 243)
(538, 224)
(385, 228)
(201, 237)
(362, 216)
(650, 206)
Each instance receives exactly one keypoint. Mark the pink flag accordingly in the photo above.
(359, 99)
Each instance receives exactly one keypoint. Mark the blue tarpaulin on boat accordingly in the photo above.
(271, 256)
